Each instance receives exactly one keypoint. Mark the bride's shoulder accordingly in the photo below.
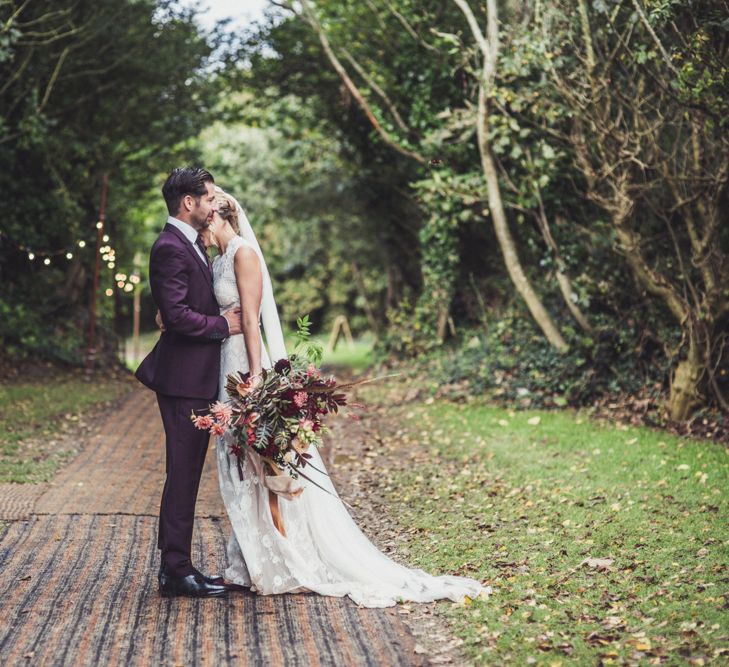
(243, 251)
(238, 242)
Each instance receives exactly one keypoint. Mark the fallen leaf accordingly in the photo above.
(597, 563)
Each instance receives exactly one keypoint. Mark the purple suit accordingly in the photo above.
(183, 369)
(186, 360)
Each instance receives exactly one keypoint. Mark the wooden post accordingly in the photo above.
(137, 309)
(341, 325)
(135, 322)
(91, 349)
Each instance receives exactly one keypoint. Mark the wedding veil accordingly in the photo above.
(269, 313)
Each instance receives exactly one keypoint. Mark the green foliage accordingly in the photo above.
(305, 204)
(314, 351)
(83, 96)
(512, 363)
(26, 331)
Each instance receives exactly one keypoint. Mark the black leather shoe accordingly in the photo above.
(214, 581)
(193, 585)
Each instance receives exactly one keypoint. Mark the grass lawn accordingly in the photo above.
(603, 546)
(356, 357)
(35, 415)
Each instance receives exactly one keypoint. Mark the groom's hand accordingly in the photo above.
(234, 324)
(158, 321)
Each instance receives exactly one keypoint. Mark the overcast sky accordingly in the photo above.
(241, 11)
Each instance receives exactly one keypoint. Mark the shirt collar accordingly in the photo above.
(187, 230)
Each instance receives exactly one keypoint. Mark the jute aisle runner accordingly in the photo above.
(78, 571)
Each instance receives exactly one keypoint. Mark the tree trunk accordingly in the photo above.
(489, 47)
(565, 286)
(563, 280)
(503, 234)
(685, 395)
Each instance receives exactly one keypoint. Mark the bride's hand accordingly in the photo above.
(256, 381)
(158, 321)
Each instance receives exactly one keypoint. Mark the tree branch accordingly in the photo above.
(649, 28)
(373, 84)
(409, 28)
(351, 86)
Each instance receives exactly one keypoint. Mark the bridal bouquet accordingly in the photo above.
(281, 417)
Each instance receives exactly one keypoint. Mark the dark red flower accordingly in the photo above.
(282, 365)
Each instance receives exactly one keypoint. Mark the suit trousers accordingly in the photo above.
(186, 447)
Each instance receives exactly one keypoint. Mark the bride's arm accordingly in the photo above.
(249, 280)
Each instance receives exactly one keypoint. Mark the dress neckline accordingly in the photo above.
(230, 243)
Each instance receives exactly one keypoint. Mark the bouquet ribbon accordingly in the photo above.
(277, 484)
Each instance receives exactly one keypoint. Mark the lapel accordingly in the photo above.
(206, 271)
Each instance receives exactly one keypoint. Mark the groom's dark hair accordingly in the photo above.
(184, 181)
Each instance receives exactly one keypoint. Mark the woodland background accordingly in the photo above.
(523, 200)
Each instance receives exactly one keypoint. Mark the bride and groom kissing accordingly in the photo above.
(212, 314)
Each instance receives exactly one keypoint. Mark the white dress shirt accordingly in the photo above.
(190, 235)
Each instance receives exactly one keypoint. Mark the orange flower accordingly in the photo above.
(243, 388)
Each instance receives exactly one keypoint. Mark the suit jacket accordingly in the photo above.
(185, 362)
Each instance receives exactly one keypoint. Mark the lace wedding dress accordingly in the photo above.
(323, 551)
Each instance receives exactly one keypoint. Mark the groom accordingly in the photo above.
(183, 368)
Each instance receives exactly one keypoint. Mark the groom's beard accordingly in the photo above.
(200, 223)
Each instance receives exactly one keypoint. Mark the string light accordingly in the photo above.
(127, 283)
(34, 253)
(124, 282)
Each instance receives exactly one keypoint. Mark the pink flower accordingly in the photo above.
(306, 424)
(300, 399)
(217, 429)
(222, 413)
(312, 371)
(203, 422)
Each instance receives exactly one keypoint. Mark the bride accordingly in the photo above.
(323, 550)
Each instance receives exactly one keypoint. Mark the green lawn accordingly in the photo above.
(35, 415)
(356, 357)
(603, 545)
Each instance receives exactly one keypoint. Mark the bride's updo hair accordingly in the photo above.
(227, 208)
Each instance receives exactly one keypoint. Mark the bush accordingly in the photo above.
(512, 362)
